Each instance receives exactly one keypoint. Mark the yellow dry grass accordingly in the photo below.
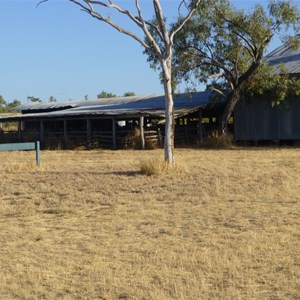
(89, 225)
(158, 166)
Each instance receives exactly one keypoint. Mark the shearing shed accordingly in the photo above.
(258, 120)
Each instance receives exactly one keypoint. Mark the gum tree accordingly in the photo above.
(161, 49)
(224, 47)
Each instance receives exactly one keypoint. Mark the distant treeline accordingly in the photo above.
(8, 106)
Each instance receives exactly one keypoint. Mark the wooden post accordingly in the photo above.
(160, 138)
(88, 132)
(19, 131)
(187, 130)
(42, 131)
(114, 134)
(200, 126)
(142, 133)
(65, 131)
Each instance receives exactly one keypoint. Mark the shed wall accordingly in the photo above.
(258, 120)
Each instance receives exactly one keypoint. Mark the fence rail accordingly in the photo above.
(24, 146)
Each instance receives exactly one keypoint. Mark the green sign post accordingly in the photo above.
(23, 147)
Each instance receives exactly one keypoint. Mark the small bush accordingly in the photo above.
(133, 139)
(53, 143)
(157, 166)
(151, 145)
(216, 140)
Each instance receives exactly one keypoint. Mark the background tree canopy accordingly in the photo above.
(33, 99)
(128, 94)
(7, 107)
(105, 94)
(223, 48)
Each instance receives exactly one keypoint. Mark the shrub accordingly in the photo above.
(151, 144)
(133, 139)
(216, 140)
(53, 143)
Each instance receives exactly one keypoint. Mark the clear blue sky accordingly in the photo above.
(57, 50)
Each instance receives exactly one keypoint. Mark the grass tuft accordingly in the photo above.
(157, 166)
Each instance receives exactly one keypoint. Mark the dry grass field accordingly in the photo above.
(89, 225)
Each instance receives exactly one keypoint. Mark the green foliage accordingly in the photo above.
(273, 87)
(128, 94)
(224, 47)
(284, 13)
(105, 94)
(33, 99)
(7, 107)
(222, 40)
(3, 104)
(12, 105)
(52, 99)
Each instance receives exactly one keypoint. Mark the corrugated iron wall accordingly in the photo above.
(258, 120)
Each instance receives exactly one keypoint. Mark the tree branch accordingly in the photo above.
(140, 17)
(161, 22)
(220, 74)
(180, 26)
(218, 91)
(40, 2)
(236, 25)
(212, 62)
(252, 49)
(137, 21)
(95, 14)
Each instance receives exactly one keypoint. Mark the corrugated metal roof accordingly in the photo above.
(285, 55)
(48, 106)
(44, 106)
(123, 106)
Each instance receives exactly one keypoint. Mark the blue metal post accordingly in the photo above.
(38, 153)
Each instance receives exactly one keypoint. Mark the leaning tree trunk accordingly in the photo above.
(169, 108)
(231, 102)
(234, 96)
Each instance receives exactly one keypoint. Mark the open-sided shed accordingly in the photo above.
(113, 122)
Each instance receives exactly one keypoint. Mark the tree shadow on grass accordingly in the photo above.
(124, 173)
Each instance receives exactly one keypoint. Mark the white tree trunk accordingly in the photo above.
(169, 107)
(164, 54)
